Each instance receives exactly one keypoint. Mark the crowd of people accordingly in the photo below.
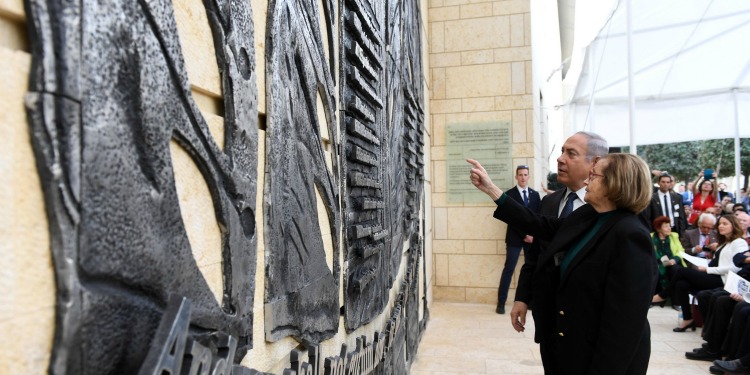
(703, 221)
(608, 245)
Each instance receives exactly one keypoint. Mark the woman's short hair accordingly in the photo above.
(627, 181)
(657, 223)
(736, 229)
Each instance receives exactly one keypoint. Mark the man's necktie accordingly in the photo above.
(525, 199)
(568, 205)
(666, 210)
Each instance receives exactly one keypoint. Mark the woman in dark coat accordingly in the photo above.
(592, 286)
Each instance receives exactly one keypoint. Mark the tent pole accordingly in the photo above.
(736, 145)
(592, 98)
(631, 93)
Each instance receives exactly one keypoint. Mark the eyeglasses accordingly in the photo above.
(593, 175)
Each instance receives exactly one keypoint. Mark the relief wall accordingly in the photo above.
(110, 110)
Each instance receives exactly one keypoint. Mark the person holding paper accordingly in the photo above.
(667, 250)
(725, 329)
(691, 280)
(721, 338)
(592, 284)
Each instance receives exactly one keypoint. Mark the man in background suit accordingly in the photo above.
(579, 154)
(667, 203)
(515, 238)
(701, 241)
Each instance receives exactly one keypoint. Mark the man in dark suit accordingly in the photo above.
(515, 238)
(667, 203)
(579, 153)
(701, 241)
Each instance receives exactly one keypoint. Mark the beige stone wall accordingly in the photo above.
(27, 280)
(480, 70)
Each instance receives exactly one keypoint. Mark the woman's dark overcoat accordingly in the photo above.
(596, 313)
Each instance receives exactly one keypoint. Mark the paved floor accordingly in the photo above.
(464, 338)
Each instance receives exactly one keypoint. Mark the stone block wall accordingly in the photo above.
(480, 71)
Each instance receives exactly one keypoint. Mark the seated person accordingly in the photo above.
(744, 219)
(691, 280)
(701, 241)
(737, 343)
(738, 207)
(720, 307)
(667, 250)
(718, 327)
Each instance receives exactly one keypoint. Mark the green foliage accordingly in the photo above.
(684, 160)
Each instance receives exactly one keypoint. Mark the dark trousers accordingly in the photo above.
(735, 345)
(668, 275)
(686, 280)
(706, 299)
(511, 259)
(549, 357)
(716, 326)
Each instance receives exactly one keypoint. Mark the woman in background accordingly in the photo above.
(705, 196)
(667, 250)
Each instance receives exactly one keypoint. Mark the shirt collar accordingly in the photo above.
(580, 193)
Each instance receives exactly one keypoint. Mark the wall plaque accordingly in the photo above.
(490, 144)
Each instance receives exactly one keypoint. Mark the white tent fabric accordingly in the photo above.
(691, 73)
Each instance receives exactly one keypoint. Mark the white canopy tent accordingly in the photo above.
(690, 74)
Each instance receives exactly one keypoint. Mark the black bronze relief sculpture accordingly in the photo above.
(413, 328)
(382, 121)
(108, 92)
(395, 135)
(412, 83)
(365, 161)
(302, 291)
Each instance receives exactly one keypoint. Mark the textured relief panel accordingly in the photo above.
(365, 161)
(301, 289)
(382, 124)
(396, 172)
(413, 326)
(410, 64)
(406, 125)
(108, 93)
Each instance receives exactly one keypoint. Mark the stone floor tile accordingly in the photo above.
(470, 339)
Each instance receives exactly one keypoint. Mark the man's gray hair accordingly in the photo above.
(709, 217)
(596, 145)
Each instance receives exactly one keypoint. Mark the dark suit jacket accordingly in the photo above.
(514, 236)
(680, 221)
(549, 206)
(597, 312)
